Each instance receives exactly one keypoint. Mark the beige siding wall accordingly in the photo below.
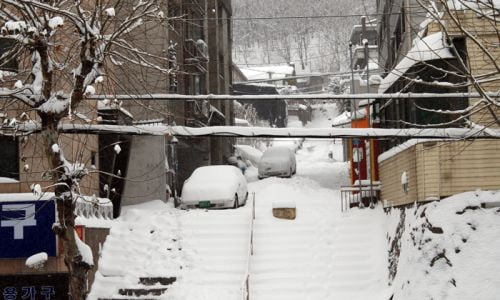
(481, 62)
(470, 165)
(428, 170)
(390, 175)
(483, 56)
(441, 169)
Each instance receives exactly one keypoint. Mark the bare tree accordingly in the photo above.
(65, 49)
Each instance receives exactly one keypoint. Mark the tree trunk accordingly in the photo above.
(65, 229)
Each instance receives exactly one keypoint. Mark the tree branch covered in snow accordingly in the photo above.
(58, 54)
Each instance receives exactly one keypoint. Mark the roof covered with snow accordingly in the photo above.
(276, 72)
(429, 48)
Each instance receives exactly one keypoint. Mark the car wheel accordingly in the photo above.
(236, 204)
(291, 173)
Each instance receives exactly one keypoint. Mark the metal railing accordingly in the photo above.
(245, 287)
(354, 194)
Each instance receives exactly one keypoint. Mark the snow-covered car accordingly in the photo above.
(277, 161)
(293, 144)
(214, 187)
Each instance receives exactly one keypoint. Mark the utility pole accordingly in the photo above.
(367, 61)
(354, 110)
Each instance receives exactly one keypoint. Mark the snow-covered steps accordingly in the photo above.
(357, 268)
(217, 240)
(323, 253)
(142, 256)
(147, 288)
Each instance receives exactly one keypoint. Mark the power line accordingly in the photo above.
(289, 17)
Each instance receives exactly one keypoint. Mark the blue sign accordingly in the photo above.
(26, 228)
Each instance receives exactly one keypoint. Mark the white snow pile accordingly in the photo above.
(283, 203)
(36, 260)
(54, 105)
(84, 251)
(143, 242)
(110, 11)
(55, 148)
(18, 84)
(447, 249)
(342, 120)
(89, 90)
(8, 180)
(429, 48)
(117, 149)
(266, 72)
(14, 26)
(56, 22)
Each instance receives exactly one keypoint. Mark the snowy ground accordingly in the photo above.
(322, 254)
(447, 250)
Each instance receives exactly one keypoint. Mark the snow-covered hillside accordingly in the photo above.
(316, 44)
(447, 250)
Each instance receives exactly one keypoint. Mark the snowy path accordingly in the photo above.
(285, 260)
(217, 240)
(322, 254)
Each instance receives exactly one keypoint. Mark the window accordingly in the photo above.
(9, 62)
(9, 157)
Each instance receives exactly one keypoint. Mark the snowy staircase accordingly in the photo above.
(219, 239)
(146, 287)
(281, 266)
(142, 256)
(355, 266)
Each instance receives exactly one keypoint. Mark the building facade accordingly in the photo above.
(436, 55)
(195, 45)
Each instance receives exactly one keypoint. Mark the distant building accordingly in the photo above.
(151, 167)
(277, 74)
(200, 60)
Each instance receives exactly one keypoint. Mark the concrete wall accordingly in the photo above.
(146, 179)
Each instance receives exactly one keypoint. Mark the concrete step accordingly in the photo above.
(157, 280)
(142, 291)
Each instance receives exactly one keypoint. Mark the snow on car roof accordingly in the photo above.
(214, 173)
(278, 150)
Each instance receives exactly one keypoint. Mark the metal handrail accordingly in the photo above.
(354, 193)
(245, 287)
